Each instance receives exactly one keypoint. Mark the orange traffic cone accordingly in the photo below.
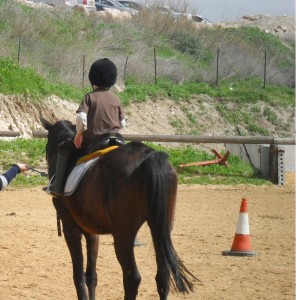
(241, 245)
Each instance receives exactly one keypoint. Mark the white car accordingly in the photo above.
(132, 4)
(113, 4)
(200, 19)
(168, 11)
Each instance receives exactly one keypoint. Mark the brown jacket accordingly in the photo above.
(104, 112)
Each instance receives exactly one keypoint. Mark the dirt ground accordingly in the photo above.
(35, 262)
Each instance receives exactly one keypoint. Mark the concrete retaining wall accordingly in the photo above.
(258, 156)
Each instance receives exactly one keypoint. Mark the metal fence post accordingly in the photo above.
(125, 66)
(19, 50)
(83, 71)
(264, 79)
(155, 71)
(217, 67)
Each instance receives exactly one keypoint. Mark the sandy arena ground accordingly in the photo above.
(35, 262)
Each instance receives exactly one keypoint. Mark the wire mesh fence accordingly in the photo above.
(70, 64)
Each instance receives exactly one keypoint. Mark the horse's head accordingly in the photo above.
(57, 133)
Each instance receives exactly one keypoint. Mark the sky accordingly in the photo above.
(230, 10)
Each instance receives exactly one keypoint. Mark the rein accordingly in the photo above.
(43, 174)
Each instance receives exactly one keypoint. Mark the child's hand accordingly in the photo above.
(78, 140)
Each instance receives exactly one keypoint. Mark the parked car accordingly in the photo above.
(113, 4)
(132, 4)
(168, 11)
(200, 19)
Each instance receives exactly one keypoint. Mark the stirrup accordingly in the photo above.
(54, 194)
(48, 188)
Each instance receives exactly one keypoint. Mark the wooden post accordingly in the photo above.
(9, 133)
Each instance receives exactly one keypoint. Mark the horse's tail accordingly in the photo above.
(160, 178)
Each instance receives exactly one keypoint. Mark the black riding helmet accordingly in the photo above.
(103, 73)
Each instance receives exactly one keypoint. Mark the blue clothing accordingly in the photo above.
(6, 178)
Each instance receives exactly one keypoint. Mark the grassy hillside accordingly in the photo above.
(61, 45)
(244, 104)
(43, 50)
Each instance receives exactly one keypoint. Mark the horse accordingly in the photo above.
(122, 190)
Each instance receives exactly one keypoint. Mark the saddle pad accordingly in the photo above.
(76, 175)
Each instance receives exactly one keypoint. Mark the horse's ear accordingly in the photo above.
(46, 124)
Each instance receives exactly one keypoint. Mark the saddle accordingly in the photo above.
(101, 145)
(105, 140)
(98, 147)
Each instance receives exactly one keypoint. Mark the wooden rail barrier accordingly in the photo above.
(274, 142)
(198, 139)
(9, 133)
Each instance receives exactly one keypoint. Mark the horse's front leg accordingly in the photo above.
(92, 246)
(73, 237)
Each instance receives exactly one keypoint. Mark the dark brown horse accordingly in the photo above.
(123, 189)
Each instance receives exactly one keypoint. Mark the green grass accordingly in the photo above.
(238, 172)
(32, 152)
(247, 91)
(191, 45)
(25, 81)
(30, 179)
(255, 39)
(28, 151)
(267, 42)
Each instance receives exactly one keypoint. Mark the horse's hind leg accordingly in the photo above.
(124, 249)
(92, 246)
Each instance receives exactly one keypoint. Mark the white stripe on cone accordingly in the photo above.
(242, 226)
